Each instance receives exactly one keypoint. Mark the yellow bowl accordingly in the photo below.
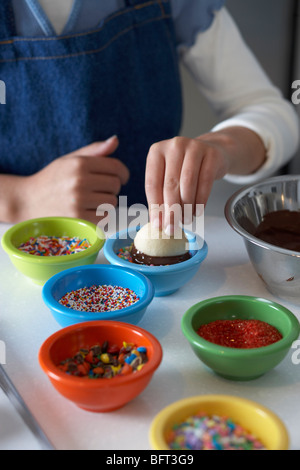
(253, 417)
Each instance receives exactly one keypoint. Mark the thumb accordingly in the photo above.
(102, 148)
(108, 146)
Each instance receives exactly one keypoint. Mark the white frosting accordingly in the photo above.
(154, 242)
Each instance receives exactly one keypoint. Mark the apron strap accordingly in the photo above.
(132, 3)
(7, 19)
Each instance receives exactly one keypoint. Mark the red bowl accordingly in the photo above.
(103, 394)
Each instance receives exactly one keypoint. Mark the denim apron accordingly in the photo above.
(65, 92)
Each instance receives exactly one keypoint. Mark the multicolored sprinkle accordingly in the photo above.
(103, 298)
(106, 361)
(125, 253)
(54, 246)
(203, 432)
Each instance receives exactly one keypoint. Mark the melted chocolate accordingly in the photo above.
(280, 228)
(140, 258)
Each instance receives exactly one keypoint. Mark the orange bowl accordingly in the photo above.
(102, 394)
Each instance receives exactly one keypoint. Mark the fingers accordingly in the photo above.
(207, 176)
(105, 166)
(163, 183)
(190, 181)
(172, 177)
(92, 200)
(154, 183)
(88, 178)
(87, 189)
(109, 166)
(86, 207)
(171, 190)
(102, 148)
(96, 159)
(107, 184)
(180, 174)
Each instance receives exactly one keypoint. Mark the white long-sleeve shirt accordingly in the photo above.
(229, 76)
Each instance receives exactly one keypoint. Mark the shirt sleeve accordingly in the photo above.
(238, 89)
(192, 17)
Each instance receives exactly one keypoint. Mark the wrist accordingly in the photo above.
(12, 207)
(248, 152)
(243, 149)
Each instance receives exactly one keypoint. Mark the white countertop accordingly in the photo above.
(25, 323)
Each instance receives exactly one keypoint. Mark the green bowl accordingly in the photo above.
(40, 268)
(240, 363)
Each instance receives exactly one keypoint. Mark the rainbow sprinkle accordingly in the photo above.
(106, 361)
(99, 298)
(54, 246)
(203, 432)
(125, 253)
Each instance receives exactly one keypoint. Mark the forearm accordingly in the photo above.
(244, 149)
(12, 204)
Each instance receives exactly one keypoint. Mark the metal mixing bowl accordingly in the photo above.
(278, 268)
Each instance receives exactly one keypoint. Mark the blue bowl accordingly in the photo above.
(165, 279)
(99, 274)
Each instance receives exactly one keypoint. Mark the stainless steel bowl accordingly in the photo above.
(278, 268)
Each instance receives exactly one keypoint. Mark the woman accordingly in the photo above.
(93, 107)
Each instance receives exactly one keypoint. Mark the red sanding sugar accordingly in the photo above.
(238, 333)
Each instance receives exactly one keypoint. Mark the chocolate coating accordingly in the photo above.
(140, 258)
(280, 228)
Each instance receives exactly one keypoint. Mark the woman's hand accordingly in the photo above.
(182, 171)
(76, 184)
